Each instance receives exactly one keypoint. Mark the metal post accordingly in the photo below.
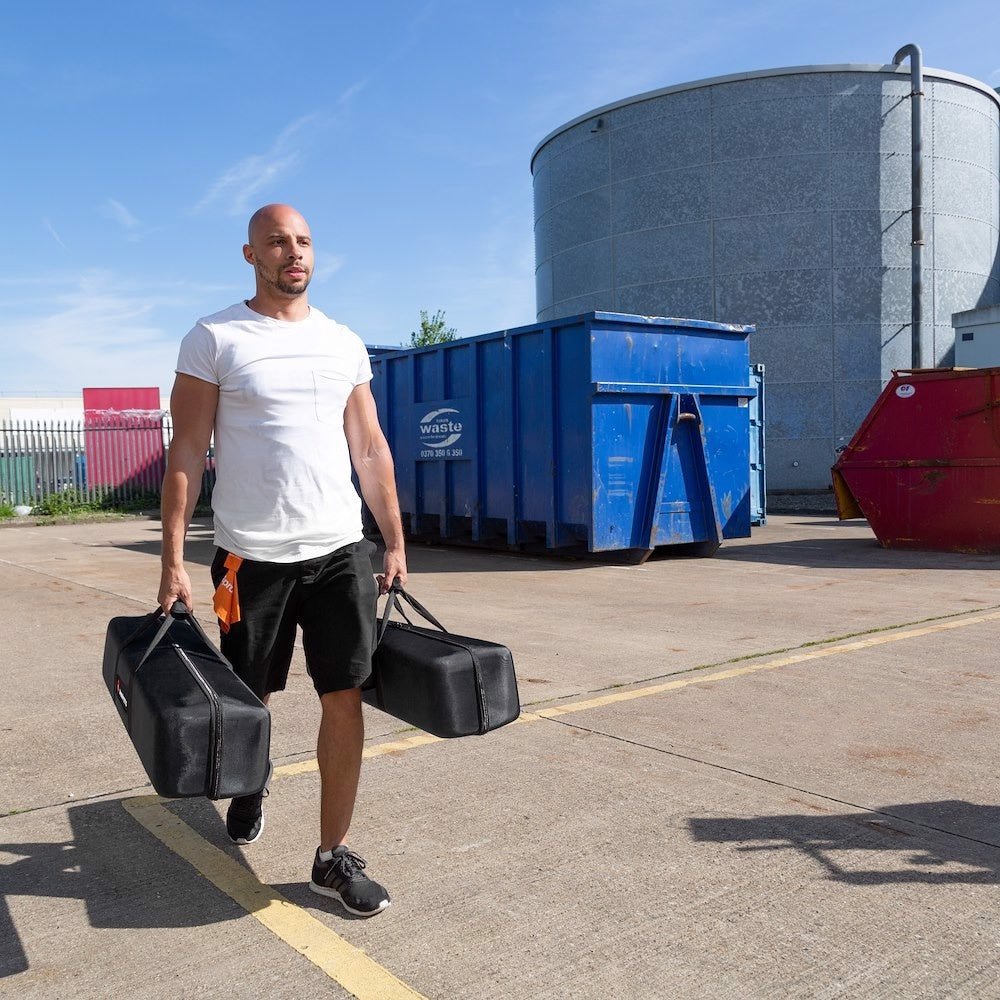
(916, 174)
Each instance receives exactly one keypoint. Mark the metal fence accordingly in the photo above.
(107, 459)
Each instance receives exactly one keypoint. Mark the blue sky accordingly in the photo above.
(139, 137)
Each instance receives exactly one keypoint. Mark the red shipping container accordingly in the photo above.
(123, 438)
(924, 466)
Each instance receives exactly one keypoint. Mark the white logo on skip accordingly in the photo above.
(438, 430)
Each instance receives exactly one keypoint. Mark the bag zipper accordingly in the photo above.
(123, 686)
(446, 637)
(214, 722)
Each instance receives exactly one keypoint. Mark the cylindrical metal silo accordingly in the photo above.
(780, 198)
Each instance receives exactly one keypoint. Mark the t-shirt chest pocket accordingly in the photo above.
(331, 387)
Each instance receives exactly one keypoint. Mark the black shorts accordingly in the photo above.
(332, 598)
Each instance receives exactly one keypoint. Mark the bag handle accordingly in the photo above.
(395, 593)
(178, 612)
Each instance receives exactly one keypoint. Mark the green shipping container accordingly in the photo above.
(17, 479)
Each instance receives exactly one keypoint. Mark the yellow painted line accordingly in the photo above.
(379, 750)
(360, 975)
(785, 661)
(422, 739)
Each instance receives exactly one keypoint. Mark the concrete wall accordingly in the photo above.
(781, 199)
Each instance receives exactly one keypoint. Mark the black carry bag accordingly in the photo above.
(448, 685)
(197, 728)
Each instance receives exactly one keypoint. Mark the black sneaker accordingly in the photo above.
(245, 818)
(343, 878)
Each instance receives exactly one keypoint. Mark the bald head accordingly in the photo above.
(274, 216)
(279, 247)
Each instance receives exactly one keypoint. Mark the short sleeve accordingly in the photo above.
(364, 366)
(198, 355)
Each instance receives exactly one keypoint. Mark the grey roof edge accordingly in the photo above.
(984, 314)
(599, 316)
(902, 70)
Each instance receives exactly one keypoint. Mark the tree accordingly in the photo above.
(432, 330)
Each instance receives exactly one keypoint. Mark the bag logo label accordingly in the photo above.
(905, 391)
(440, 430)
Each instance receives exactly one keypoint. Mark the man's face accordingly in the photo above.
(281, 253)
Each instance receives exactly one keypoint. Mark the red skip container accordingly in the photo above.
(924, 466)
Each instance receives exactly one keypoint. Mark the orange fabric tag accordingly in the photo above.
(227, 595)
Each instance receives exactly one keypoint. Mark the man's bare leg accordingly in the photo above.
(341, 740)
(342, 874)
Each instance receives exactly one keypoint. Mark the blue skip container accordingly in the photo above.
(601, 433)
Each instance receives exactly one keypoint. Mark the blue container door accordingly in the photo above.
(654, 483)
(758, 482)
(727, 419)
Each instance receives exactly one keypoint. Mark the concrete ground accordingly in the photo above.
(766, 774)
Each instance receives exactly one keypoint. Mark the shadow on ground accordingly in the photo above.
(817, 552)
(855, 553)
(123, 874)
(422, 557)
(937, 841)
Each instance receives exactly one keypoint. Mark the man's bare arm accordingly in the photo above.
(377, 476)
(192, 405)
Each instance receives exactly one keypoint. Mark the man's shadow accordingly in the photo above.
(939, 843)
(123, 874)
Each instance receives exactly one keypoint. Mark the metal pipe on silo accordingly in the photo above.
(916, 167)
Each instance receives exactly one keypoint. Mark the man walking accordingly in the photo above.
(286, 392)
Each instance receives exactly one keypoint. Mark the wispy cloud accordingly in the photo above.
(327, 265)
(52, 232)
(239, 183)
(93, 328)
(114, 209)
(995, 76)
(348, 94)
(93, 335)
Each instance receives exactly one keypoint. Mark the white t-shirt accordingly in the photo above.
(283, 489)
